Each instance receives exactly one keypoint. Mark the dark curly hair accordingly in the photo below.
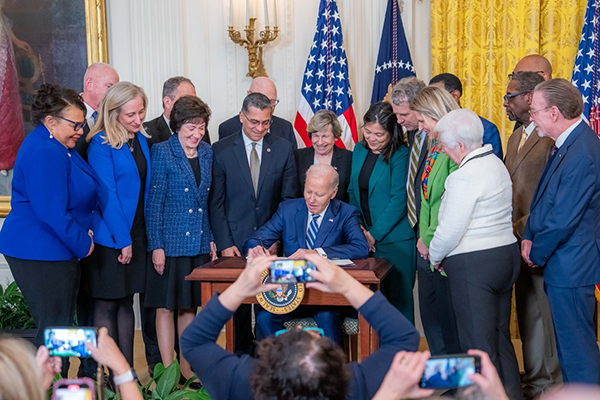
(188, 109)
(297, 365)
(52, 99)
(383, 114)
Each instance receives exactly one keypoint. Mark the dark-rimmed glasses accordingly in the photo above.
(508, 97)
(76, 125)
(254, 123)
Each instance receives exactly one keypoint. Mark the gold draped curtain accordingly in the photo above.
(480, 41)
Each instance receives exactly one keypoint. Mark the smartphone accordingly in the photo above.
(73, 389)
(452, 371)
(291, 271)
(69, 341)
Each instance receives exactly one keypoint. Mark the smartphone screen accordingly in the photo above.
(291, 271)
(449, 371)
(69, 341)
(73, 389)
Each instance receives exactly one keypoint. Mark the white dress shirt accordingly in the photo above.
(167, 121)
(565, 135)
(248, 146)
(319, 221)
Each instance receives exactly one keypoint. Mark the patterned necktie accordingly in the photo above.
(523, 140)
(254, 167)
(415, 152)
(553, 151)
(313, 229)
(95, 116)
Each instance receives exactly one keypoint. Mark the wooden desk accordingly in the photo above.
(218, 275)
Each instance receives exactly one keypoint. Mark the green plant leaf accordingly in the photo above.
(168, 380)
(158, 370)
(189, 382)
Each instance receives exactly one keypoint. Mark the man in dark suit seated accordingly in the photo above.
(173, 89)
(320, 224)
(279, 126)
(253, 171)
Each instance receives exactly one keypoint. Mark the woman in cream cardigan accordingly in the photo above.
(475, 246)
(435, 305)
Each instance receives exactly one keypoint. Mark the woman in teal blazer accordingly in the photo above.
(378, 190)
(435, 305)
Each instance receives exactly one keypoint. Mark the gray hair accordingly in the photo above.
(257, 100)
(406, 90)
(170, 86)
(324, 171)
(561, 93)
(460, 126)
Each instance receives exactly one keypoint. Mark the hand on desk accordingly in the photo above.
(257, 251)
(301, 254)
(231, 252)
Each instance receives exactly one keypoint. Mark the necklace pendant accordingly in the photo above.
(131, 149)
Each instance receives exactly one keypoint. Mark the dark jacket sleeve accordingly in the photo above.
(355, 244)
(268, 234)
(395, 332)
(289, 187)
(224, 375)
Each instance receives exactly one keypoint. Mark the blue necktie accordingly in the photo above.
(95, 116)
(313, 229)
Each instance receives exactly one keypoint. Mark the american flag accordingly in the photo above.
(585, 72)
(393, 61)
(325, 84)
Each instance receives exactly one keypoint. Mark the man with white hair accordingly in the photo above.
(98, 78)
(317, 224)
(279, 127)
(562, 234)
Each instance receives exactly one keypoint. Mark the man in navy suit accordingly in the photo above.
(335, 233)
(279, 126)
(562, 234)
(453, 85)
(253, 171)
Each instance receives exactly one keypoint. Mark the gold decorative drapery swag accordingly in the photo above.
(480, 41)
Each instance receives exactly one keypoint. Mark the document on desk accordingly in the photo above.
(342, 262)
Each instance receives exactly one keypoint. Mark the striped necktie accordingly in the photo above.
(415, 152)
(313, 229)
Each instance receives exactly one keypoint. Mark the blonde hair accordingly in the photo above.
(115, 98)
(321, 120)
(433, 102)
(21, 378)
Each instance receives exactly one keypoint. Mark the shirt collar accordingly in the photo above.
(529, 128)
(89, 110)
(322, 213)
(485, 148)
(564, 136)
(168, 123)
(248, 142)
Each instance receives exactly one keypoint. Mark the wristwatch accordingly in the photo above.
(128, 376)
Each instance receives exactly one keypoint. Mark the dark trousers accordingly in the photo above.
(85, 317)
(50, 289)
(148, 317)
(243, 337)
(540, 357)
(437, 313)
(573, 316)
(481, 287)
(326, 318)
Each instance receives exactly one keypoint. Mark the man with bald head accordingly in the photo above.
(279, 127)
(318, 224)
(534, 63)
(96, 81)
(173, 89)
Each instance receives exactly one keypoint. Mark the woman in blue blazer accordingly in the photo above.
(119, 154)
(54, 193)
(378, 190)
(179, 234)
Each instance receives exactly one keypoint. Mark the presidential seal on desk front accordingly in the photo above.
(286, 298)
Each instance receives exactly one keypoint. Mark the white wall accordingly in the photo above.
(152, 40)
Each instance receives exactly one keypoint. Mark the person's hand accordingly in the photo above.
(525, 250)
(158, 259)
(274, 249)
(126, 253)
(488, 380)
(329, 277)
(213, 251)
(370, 240)
(257, 251)
(21, 44)
(423, 250)
(248, 284)
(439, 268)
(402, 379)
(231, 252)
(301, 254)
(108, 353)
(91, 249)
(50, 366)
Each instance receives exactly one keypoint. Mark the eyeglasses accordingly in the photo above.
(254, 123)
(319, 330)
(76, 125)
(532, 112)
(508, 97)
(512, 75)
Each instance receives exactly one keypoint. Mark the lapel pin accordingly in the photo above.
(69, 154)
(330, 219)
(268, 149)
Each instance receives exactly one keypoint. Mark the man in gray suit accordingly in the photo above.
(526, 157)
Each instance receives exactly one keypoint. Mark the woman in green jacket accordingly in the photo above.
(437, 314)
(378, 190)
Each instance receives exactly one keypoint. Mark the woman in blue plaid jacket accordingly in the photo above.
(179, 235)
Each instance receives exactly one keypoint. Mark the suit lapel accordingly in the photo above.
(183, 163)
(531, 141)
(165, 131)
(336, 158)
(328, 221)
(380, 166)
(302, 224)
(265, 162)
(239, 153)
